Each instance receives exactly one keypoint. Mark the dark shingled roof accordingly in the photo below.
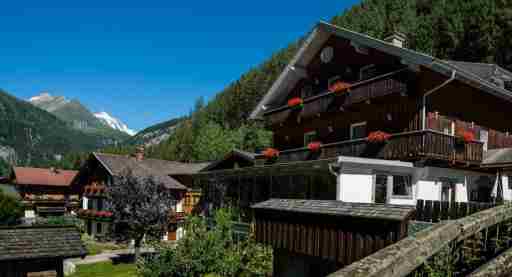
(247, 156)
(337, 208)
(485, 71)
(497, 157)
(23, 243)
(118, 165)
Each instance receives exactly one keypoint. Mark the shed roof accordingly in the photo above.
(24, 243)
(43, 176)
(337, 208)
(497, 157)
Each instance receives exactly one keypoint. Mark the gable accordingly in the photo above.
(294, 72)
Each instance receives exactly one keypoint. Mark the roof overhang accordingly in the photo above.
(414, 59)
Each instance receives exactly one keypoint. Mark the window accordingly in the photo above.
(367, 72)
(90, 205)
(306, 91)
(99, 204)
(309, 137)
(381, 188)
(99, 228)
(358, 130)
(510, 182)
(402, 186)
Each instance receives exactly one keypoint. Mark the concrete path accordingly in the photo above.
(107, 256)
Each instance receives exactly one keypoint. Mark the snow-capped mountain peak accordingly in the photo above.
(114, 123)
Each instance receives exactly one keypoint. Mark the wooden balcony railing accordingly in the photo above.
(386, 84)
(411, 146)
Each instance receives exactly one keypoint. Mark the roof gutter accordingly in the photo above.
(428, 93)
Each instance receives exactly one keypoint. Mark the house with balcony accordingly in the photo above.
(359, 119)
(99, 171)
(44, 191)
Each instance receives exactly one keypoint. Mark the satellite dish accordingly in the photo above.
(327, 54)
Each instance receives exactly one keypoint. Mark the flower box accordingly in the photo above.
(296, 102)
(271, 154)
(378, 137)
(314, 146)
(339, 88)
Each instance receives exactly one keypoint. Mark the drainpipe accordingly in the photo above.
(424, 104)
(334, 169)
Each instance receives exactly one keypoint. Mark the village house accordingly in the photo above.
(359, 119)
(99, 171)
(44, 192)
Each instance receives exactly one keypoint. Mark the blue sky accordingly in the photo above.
(144, 61)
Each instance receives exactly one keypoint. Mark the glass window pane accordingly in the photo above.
(402, 186)
(358, 131)
(381, 184)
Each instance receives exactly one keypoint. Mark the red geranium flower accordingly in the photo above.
(314, 146)
(271, 153)
(295, 102)
(468, 136)
(378, 137)
(339, 86)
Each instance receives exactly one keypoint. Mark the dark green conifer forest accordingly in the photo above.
(469, 30)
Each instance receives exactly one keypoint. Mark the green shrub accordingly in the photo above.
(209, 251)
(11, 209)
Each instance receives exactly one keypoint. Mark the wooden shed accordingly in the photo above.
(25, 250)
(318, 237)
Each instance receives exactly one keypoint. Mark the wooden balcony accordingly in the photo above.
(410, 146)
(390, 83)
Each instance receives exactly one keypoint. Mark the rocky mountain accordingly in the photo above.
(33, 136)
(78, 116)
(114, 123)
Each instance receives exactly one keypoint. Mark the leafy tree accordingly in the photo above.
(5, 167)
(11, 209)
(209, 251)
(141, 206)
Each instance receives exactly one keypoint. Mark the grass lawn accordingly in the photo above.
(94, 247)
(106, 269)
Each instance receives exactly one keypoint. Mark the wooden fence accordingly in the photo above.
(435, 211)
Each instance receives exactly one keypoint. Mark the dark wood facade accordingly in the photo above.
(389, 99)
(319, 241)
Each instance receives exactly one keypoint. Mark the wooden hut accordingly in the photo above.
(317, 237)
(26, 250)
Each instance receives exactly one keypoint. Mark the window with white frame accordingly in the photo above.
(402, 186)
(309, 137)
(358, 130)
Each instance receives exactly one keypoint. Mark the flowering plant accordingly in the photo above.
(314, 146)
(296, 102)
(271, 153)
(339, 87)
(378, 137)
(464, 136)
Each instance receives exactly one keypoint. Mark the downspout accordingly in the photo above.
(424, 104)
(334, 169)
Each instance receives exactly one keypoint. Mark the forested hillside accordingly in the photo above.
(469, 30)
(32, 136)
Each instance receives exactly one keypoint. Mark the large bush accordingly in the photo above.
(206, 251)
(11, 209)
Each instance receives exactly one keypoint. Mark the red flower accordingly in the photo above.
(468, 136)
(271, 153)
(339, 86)
(314, 146)
(378, 137)
(295, 102)
(107, 214)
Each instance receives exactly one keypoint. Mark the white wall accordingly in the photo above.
(30, 214)
(179, 206)
(85, 202)
(356, 188)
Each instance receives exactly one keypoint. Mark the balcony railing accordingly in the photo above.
(383, 85)
(409, 146)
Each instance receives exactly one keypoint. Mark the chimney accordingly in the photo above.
(139, 153)
(398, 39)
